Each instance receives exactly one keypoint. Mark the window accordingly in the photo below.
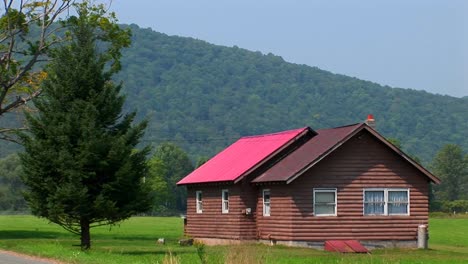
(266, 202)
(386, 201)
(374, 202)
(398, 202)
(325, 202)
(225, 201)
(199, 198)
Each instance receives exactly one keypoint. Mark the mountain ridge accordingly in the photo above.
(204, 96)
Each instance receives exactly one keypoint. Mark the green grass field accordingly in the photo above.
(134, 241)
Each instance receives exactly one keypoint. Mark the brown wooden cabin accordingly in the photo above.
(303, 187)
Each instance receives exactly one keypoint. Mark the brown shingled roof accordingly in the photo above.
(314, 149)
(318, 147)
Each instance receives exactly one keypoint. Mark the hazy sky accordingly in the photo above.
(418, 44)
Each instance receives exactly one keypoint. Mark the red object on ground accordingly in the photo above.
(345, 246)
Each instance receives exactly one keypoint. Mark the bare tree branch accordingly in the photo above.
(20, 100)
(19, 16)
(6, 134)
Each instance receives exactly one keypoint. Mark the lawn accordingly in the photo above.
(134, 241)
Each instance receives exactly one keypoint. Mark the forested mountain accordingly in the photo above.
(203, 97)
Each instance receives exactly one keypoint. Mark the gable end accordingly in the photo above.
(382, 139)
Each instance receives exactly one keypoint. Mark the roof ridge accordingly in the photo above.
(243, 156)
(360, 123)
(277, 133)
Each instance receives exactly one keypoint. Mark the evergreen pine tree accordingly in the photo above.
(80, 163)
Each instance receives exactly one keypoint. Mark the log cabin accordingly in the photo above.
(303, 187)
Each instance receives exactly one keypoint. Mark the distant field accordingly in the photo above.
(134, 241)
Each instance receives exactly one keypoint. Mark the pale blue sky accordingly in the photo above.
(418, 44)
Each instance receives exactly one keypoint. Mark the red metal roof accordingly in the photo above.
(311, 151)
(240, 157)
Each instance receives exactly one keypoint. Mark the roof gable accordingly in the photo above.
(243, 156)
(325, 142)
(312, 151)
(398, 151)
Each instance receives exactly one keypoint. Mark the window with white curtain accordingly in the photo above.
(225, 201)
(266, 202)
(325, 202)
(374, 202)
(199, 201)
(386, 201)
(398, 202)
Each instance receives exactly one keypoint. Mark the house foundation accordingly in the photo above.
(369, 244)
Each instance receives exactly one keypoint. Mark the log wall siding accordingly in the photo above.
(278, 225)
(362, 162)
(248, 229)
(212, 223)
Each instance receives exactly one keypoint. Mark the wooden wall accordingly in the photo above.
(212, 223)
(248, 229)
(362, 162)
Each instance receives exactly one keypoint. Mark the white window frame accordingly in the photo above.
(334, 190)
(268, 204)
(199, 201)
(224, 202)
(386, 190)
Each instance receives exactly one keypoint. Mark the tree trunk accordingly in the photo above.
(85, 234)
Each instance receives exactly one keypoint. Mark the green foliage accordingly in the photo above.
(456, 206)
(395, 142)
(107, 31)
(203, 97)
(168, 165)
(80, 164)
(201, 252)
(451, 166)
(11, 186)
(160, 190)
(201, 160)
(27, 33)
(14, 19)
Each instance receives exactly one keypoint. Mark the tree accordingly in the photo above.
(451, 166)
(395, 141)
(201, 160)
(170, 164)
(159, 186)
(81, 166)
(27, 32)
(11, 186)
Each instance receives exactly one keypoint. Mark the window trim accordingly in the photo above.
(386, 190)
(199, 202)
(224, 202)
(269, 203)
(334, 190)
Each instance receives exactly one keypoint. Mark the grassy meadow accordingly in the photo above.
(134, 241)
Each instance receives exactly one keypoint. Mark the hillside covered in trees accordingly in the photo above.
(203, 97)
